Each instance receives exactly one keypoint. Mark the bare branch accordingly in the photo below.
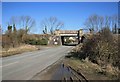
(27, 22)
(51, 24)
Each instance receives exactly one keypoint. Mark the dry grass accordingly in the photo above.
(112, 71)
(18, 50)
(93, 71)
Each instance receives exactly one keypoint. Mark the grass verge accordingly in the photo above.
(18, 50)
(92, 71)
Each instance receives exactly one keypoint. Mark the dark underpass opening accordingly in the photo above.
(69, 40)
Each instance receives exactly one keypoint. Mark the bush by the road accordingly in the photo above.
(42, 41)
(103, 49)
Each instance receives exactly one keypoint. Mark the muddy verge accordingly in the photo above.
(70, 69)
(59, 71)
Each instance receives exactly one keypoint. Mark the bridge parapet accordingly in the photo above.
(66, 32)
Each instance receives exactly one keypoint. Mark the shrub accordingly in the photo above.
(37, 42)
(102, 48)
(43, 41)
(32, 42)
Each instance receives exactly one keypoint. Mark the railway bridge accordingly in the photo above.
(68, 37)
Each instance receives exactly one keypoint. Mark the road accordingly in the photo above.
(24, 66)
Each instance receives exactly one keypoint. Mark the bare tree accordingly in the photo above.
(93, 22)
(51, 24)
(15, 36)
(101, 20)
(107, 21)
(45, 25)
(13, 20)
(114, 20)
(96, 22)
(27, 22)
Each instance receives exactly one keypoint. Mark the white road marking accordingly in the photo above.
(9, 64)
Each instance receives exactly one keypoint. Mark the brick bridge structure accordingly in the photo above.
(60, 36)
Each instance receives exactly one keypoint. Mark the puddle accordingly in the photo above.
(62, 72)
(65, 73)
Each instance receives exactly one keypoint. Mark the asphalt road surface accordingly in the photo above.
(24, 66)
